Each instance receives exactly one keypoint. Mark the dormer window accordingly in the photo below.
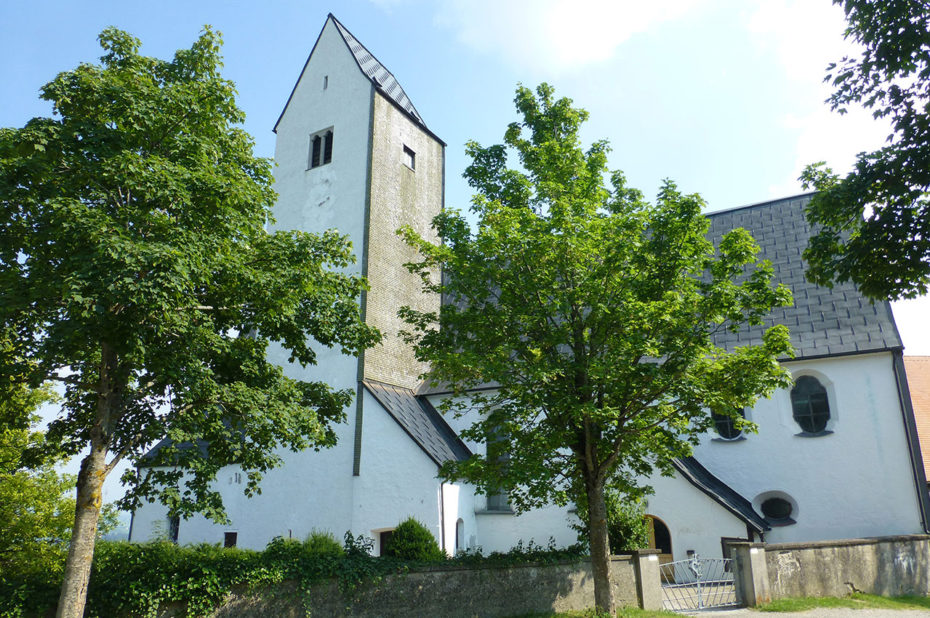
(321, 148)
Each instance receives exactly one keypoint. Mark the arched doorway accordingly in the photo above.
(660, 538)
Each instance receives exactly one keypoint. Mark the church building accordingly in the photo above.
(835, 457)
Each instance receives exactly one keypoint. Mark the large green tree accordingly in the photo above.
(591, 312)
(875, 221)
(136, 271)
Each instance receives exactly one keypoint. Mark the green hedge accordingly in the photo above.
(133, 579)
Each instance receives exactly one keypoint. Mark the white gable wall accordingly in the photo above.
(695, 521)
(852, 483)
(397, 479)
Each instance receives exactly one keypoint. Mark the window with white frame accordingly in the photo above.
(727, 424)
(410, 158)
(321, 149)
(810, 405)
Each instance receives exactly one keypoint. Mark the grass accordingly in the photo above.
(854, 601)
(623, 612)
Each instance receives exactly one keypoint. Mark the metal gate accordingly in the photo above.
(698, 583)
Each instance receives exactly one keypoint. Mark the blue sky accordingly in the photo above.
(722, 96)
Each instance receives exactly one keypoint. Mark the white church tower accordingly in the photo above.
(354, 155)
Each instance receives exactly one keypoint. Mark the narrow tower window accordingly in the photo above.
(321, 149)
(325, 82)
(410, 158)
(328, 147)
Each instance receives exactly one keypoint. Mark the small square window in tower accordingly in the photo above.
(230, 539)
(321, 149)
(410, 158)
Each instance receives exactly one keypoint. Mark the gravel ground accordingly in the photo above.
(833, 612)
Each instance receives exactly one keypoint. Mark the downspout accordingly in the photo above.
(910, 432)
(442, 515)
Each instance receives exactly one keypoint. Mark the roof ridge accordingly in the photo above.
(759, 204)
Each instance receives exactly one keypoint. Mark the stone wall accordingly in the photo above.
(457, 591)
(887, 566)
(399, 196)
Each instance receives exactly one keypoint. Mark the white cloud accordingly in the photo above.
(554, 35)
(805, 36)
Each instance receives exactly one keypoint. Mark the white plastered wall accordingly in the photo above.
(397, 479)
(854, 482)
(695, 521)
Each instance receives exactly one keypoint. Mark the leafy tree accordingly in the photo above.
(876, 220)
(627, 527)
(592, 312)
(137, 272)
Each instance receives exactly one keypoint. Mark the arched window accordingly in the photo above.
(726, 425)
(459, 536)
(810, 405)
(778, 508)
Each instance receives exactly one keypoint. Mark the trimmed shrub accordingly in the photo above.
(322, 543)
(413, 541)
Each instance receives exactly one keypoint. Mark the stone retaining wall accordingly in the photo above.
(458, 591)
(887, 566)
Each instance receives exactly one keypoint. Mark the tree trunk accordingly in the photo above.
(81, 552)
(600, 548)
(90, 490)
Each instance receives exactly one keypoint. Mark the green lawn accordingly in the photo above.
(854, 601)
(625, 612)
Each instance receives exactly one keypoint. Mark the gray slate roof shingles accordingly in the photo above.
(377, 73)
(421, 421)
(822, 321)
(699, 476)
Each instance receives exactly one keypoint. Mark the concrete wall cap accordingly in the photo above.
(904, 538)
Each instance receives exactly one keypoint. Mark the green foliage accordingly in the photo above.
(594, 311)
(413, 541)
(135, 578)
(138, 272)
(522, 554)
(627, 526)
(36, 502)
(875, 221)
(856, 600)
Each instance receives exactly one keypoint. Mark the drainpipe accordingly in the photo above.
(910, 433)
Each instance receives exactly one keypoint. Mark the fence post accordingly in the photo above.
(750, 573)
(648, 580)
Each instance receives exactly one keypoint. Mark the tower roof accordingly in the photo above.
(371, 67)
(376, 72)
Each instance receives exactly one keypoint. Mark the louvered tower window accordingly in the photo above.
(321, 148)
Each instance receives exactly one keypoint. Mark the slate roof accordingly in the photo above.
(377, 73)
(422, 422)
(699, 476)
(822, 321)
(148, 459)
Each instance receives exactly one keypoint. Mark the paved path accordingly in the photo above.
(833, 612)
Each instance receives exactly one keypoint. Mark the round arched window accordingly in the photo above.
(809, 404)
(726, 425)
(777, 511)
